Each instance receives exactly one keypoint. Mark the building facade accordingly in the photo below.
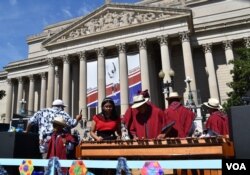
(193, 38)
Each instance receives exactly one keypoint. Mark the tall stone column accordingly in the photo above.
(123, 67)
(212, 81)
(9, 94)
(229, 57)
(43, 90)
(83, 84)
(101, 76)
(165, 61)
(247, 42)
(56, 90)
(188, 62)
(144, 64)
(74, 82)
(31, 95)
(51, 79)
(66, 82)
(19, 94)
(228, 50)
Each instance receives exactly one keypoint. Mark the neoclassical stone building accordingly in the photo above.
(194, 38)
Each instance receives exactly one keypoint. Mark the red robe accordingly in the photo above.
(218, 123)
(128, 117)
(147, 125)
(183, 118)
(56, 147)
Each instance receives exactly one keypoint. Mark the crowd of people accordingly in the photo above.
(142, 120)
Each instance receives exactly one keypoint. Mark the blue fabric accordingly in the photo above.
(53, 166)
(122, 166)
(3, 171)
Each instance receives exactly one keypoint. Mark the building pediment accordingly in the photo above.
(113, 17)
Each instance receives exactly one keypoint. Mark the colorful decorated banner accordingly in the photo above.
(152, 168)
(78, 168)
(26, 168)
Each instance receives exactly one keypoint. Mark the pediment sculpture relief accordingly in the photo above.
(113, 20)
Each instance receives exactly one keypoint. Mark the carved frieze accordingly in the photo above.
(113, 20)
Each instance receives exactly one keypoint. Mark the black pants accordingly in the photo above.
(107, 135)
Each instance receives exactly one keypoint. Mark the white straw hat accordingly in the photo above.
(58, 102)
(213, 103)
(59, 121)
(173, 95)
(139, 100)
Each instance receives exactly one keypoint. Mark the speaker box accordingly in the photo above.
(239, 119)
(4, 127)
(19, 145)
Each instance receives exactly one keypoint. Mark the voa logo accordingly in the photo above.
(236, 166)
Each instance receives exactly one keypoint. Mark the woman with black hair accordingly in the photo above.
(107, 124)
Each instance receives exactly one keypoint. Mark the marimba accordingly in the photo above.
(170, 148)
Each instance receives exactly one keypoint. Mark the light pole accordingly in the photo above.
(190, 101)
(22, 110)
(56, 88)
(166, 85)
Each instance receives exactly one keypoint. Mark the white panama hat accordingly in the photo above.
(138, 101)
(58, 102)
(213, 103)
(173, 95)
(59, 121)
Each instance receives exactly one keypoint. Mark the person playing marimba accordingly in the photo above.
(107, 124)
(146, 120)
(181, 116)
(217, 122)
(130, 112)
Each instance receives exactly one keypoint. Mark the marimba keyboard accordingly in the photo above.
(209, 147)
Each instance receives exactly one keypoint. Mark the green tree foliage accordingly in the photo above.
(2, 94)
(241, 79)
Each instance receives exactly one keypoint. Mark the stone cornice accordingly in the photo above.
(62, 23)
(114, 17)
(50, 30)
(223, 23)
(3, 75)
(173, 3)
(37, 37)
(23, 63)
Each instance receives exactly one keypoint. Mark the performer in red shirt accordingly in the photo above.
(181, 116)
(130, 112)
(217, 122)
(106, 125)
(61, 142)
(146, 120)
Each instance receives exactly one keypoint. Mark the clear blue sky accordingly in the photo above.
(22, 18)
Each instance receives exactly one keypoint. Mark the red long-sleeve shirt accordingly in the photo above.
(218, 123)
(147, 125)
(182, 117)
